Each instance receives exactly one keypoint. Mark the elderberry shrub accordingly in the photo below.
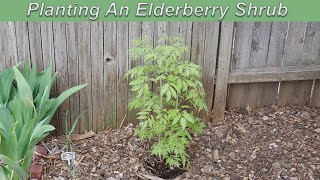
(169, 93)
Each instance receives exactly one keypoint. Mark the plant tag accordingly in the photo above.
(68, 156)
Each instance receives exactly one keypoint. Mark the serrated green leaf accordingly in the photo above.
(183, 123)
(164, 89)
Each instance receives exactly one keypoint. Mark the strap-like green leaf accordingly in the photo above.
(61, 99)
(24, 90)
(15, 166)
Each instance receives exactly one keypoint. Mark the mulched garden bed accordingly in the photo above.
(266, 143)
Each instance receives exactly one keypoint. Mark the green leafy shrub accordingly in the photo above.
(169, 93)
(25, 114)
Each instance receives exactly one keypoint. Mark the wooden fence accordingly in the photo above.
(253, 63)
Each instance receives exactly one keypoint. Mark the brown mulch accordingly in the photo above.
(266, 143)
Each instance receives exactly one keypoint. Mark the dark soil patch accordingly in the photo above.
(160, 169)
(266, 143)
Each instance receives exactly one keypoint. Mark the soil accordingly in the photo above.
(265, 143)
(160, 169)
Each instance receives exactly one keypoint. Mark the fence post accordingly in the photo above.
(224, 58)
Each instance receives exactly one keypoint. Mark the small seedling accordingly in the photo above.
(69, 155)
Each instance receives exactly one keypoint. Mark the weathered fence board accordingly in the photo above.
(311, 47)
(110, 74)
(85, 75)
(123, 66)
(97, 77)
(73, 67)
(61, 59)
(222, 71)
(316, 94)
(251, 63)
(36, 44)
(135, 32)
(210, 62)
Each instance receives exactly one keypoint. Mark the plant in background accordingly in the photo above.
(168, 112)
(25, 114)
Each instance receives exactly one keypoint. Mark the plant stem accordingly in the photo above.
(160, 94)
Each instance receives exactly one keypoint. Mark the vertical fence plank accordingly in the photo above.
(123, 63)
(209, 64)
(161, 30)
(110, 75)
(295, 92)
(97, 72)
(316, 94)
(294, 44)
(3, 63)
(11, 45)
(23, 46)
(135, 32)
(240, 59)
(197, 47)
(73, 70)
(311, 47)
(60, 45)
(275, 54)
(148, 30)
(48, 49)
(224, 58)
(35, 44)
(85, 72)
(48, 57)
(260, 44)
(277, 43)
(47, 44)
(258, 59)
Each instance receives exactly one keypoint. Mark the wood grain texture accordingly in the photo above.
(242, 45)
(110, 74)
(197, 46)
(209, 64)
(295, 93)
(73, 71)
(11, 45)
(316, 94)
(258, 59)
(46, 29)
(47, 44)
(123, 64)
(3, 62)
(23, 41)
(260, 44)
(97, 53)
(135, 32)
(277, 43)
(161, 30)
(311, 47)
(294, 44)
(35, 44)
(224, 58)
(61, 58)
(85, 75)
(97, 75)
(274, 59)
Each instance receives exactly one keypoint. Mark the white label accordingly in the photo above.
(68, 156)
